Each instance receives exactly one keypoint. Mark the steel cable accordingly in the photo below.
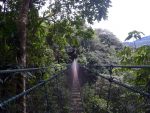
(111, 79)
(28, 90)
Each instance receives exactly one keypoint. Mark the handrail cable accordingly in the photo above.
(124, 66)
(28, 90)
(28, 69)
(22, 70)
(42, 68)
(126, 86)
(111, 79)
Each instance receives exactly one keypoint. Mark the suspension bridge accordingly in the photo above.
(49, 92)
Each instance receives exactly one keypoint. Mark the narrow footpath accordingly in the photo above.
(76, 99)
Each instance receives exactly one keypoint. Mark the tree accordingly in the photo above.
(134, 34)
(59, 10)
(139, 78)
(89, 10)
(26, 12)
(22, 37)
(67, 20)
(108, 38)
(101, 49)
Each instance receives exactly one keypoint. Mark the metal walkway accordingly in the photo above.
(76, 99)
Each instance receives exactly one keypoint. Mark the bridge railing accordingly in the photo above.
(111, 79)
(45, 92)
(50, 94)
(112, 82)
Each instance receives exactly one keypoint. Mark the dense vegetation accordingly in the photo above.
(103, 96)
(31, 39)
(100, 50)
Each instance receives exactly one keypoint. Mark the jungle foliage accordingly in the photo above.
(100, 96)
(30, 40)
(49, 37)
(101, 49)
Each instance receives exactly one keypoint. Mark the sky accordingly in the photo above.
(125, 16)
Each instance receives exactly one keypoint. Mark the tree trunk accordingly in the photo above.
(21, 53)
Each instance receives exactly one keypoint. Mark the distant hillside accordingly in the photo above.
(140, 42)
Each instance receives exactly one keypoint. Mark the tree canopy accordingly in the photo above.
(134, 34)
(101, 49)
(28, 39)
(61, 25)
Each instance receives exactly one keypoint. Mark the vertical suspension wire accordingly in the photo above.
(56, 91)
(61, 86)
(109, 90)
(47, 110)
(43, 91)
(46, 96)
(60, 89)
(50, 91)
(147, 99)
(4, 109)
